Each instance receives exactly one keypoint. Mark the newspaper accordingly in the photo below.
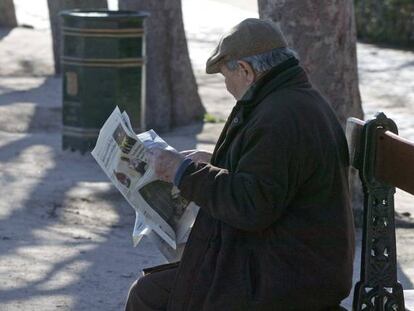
(162, 213)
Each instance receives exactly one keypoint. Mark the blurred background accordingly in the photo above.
(386, 22)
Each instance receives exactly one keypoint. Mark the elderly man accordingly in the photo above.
(275, 229)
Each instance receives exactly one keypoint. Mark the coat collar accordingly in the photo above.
(285, 74)
(276, 77)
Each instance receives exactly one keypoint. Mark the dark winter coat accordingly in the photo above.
(275, 228)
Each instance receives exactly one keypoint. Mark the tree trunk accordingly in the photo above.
(171, 95)
(7, 14)
(55, 6)
(324, 35)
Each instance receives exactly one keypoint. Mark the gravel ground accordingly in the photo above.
(64, 230)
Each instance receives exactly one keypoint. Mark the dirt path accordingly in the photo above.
(64, 230)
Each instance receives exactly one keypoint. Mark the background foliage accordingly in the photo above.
(386, 21)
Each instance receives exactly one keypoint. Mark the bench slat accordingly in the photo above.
(395, 161)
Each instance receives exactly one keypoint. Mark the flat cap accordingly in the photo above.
(250, 37)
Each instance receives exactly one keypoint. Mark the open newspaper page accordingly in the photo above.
(161, 212)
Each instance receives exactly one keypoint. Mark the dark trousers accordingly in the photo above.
(151, 292)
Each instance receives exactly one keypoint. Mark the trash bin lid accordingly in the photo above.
(103, 14)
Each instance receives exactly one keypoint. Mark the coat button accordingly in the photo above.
(236, 120)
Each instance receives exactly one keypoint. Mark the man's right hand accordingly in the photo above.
(197, 155)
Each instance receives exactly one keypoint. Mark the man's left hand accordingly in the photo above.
(165, 163)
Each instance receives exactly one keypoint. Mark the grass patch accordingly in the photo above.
(209, 118)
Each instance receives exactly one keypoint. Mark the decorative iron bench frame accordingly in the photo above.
(384, 161)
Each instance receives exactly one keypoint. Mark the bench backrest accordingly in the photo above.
(384, 161)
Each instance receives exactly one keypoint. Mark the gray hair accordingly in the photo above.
(265, 61)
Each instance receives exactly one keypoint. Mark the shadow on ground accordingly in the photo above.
(64, 230)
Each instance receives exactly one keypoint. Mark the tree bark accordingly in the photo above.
(324, 35)
(55, 6)
(171, 96)
(7, 14)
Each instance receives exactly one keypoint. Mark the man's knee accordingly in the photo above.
(133, 290)
(141, 296)
(133, 300)
(150, 292)
(137, 288)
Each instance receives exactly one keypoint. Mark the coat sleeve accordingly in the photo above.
(253, 196)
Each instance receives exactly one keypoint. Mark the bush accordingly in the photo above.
(386, 21)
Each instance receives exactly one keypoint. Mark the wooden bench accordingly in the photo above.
(384, 161)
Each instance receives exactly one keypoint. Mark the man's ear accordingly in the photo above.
(248, 73)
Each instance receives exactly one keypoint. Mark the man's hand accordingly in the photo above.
(165, 163)
(197, 155)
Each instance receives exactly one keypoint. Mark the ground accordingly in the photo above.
(65, 232)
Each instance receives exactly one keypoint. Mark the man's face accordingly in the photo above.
(239, 80)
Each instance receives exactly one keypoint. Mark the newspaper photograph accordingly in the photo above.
(162, 213)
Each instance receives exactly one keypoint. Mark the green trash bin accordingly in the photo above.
(103, 66)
